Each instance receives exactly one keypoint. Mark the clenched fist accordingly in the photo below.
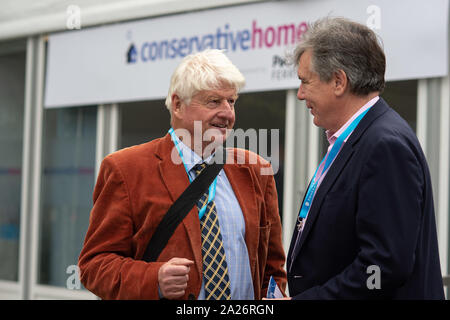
(173, 277)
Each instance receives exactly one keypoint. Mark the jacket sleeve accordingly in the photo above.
(107, 266)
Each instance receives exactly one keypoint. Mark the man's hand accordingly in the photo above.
(173, 277)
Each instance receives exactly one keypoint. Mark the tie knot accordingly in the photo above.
(198, 168)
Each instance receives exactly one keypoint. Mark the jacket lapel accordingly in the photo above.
(336, 168)
(175, 179)
(173, 175)
(322, 191)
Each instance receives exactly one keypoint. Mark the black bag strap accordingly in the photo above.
(178, 211)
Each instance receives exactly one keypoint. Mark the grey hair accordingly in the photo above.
(341, 44)
(206, 70)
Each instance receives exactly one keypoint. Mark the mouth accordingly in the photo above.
(219, 130)
(219, 125)
(216, 133)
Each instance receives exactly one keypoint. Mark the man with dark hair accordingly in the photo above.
(366, 227)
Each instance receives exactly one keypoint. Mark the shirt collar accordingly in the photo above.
(191, 159)
(332, 137)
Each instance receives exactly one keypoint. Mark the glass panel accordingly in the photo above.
(143, 121)
(402, 97)
(67, 186)
(12, 84)
(265, 110)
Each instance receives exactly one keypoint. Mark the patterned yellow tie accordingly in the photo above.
(215, 270)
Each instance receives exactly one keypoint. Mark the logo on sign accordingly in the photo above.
(282, 69)
(132, 54)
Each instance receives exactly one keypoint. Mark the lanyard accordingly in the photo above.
(328, 158)
(212, 187)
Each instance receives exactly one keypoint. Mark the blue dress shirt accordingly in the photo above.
(232, 228)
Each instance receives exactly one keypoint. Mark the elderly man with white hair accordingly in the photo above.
(229, 243)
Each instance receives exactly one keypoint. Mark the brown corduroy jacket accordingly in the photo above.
(135, 188)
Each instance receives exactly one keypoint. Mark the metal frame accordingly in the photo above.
(301, 135)
(10, 290)
(288, 215)
(443, 206)
(422, 98)
(30, 125)
(36, 170)
(108, 132)
(433, 120)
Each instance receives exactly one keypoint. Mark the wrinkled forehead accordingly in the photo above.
(222, 93)
(305, 64)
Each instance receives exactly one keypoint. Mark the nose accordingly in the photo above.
(227, 113)
(228, 104)
(226, 110)
(300, 93)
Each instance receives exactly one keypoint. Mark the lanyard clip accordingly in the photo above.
(300, 222)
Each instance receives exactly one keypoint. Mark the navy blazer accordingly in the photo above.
(373, 208)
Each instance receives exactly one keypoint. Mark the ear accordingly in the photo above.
(176, 105)
(340, 82)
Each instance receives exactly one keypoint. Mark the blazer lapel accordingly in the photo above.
(328, 181)
(336, 168)
(175, 179)
(173, 175)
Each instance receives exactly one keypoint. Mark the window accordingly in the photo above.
(143, 121)
(67, 186)
(402, 97)
(265, 110)
(12, 83)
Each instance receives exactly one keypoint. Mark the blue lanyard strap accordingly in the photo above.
(212, 187)
(328, 158)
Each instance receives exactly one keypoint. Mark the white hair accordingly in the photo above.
(206, 70)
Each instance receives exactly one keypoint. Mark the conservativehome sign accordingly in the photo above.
(134, 60)
(255, 37)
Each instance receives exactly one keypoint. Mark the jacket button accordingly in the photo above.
(191, 297)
